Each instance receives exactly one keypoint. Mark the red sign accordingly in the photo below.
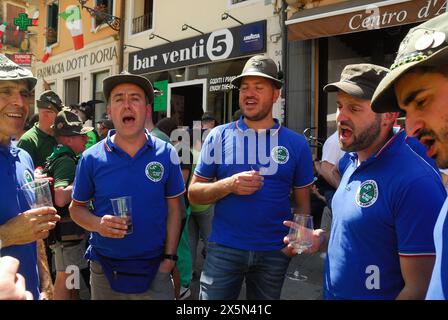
(23, 59)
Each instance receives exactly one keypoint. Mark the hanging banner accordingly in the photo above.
(3, 29)
(73, 22)
(47, 54)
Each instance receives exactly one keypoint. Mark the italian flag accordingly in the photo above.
(46, 54)
(73, 22)
(3, 29)
(35, 18)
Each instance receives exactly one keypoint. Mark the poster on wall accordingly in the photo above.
(161, 101)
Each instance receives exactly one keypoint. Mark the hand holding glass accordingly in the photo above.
(301, 238)
(301, 232)
(122, 207)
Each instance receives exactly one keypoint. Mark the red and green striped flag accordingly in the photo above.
(47, 54)
(35, 18)
(73, 22)
(3, 28)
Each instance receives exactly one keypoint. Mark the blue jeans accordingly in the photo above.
(226, 268)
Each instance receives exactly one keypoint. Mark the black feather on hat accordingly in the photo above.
(88, 107)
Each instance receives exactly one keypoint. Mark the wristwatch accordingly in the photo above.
(173, 257)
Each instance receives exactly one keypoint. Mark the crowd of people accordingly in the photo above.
(383, 226)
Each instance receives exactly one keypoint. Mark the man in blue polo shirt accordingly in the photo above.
(249, 168)
(130, 162)
(20, 226)
(418, 84)
(386, 205)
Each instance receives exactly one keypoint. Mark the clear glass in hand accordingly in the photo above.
(301, 238)
(37, 193)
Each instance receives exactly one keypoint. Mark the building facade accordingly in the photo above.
(78, 49)
(191, 50)
(325, 36)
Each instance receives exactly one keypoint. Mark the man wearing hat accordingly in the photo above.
(380, 245)
(39, 140)
(130, 162)
(86, 111)
(61, 166)
(103, 126)
(20, 226)
(418, 85)
(248, 168)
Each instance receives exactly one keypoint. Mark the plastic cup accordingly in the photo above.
(122, 207)
(37, 193)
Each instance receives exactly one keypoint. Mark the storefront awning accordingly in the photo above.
(360, 15)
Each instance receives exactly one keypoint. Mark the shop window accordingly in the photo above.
(142, 15)
(52, 23)
(104, 8)
(97, 94)
(71, 90)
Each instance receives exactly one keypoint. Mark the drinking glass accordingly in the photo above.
(301, 238)
(122, 207)
(37, 193)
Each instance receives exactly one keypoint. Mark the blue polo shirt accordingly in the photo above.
(105, 171)
(383, 209)
(16, 169)
(438, 286)
(283, 157)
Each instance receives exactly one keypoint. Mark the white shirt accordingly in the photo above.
(331, 152)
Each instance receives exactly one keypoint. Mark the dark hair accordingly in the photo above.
(31, 121)
(167, 125)
(237, 114)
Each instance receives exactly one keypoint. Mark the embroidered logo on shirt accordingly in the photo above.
(154, 171)
(280, 154)
(367, 193)
(28, 176)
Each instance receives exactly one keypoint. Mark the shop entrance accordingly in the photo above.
(187, 101)
(231, 101)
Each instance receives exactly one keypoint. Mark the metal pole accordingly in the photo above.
(285, 60)
(121, 36)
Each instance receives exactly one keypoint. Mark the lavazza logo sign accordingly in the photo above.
(218, 45)
(252, 37)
